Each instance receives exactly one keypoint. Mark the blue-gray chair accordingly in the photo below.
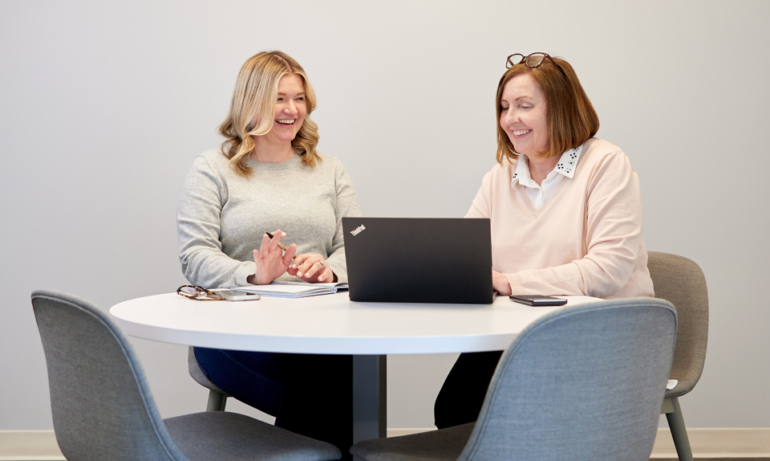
(102, 407)
(680, 281)
(585, 382)
(217, 397)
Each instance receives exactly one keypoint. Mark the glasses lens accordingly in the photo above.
(198, 293)
(513, 60)
(534, 59)
(190, 291)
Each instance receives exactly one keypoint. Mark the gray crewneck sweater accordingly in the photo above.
(222, 216)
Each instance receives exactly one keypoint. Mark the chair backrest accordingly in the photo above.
(681, 282)
(585, 382)
(102, 407)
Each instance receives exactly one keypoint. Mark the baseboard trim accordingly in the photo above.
(717, 443)
(706, 443)
(29, 446)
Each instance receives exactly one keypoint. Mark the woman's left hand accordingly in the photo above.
(312, 268)
(500, 283)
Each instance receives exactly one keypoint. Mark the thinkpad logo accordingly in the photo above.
(358, 230)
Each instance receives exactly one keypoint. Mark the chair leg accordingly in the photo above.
(217, 401)
(679, 431)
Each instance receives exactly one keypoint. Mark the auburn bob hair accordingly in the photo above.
(571, 117)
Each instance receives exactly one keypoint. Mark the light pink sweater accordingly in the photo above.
(585, 240)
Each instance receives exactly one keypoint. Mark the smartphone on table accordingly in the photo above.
(538, 300)
(237, 295)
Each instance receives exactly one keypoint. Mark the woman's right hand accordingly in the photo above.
(501, 284)
(271, 261)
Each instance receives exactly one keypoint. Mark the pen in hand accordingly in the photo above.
(280, 244)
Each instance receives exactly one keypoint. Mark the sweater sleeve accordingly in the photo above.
(480, 207)
(346, 205)
(198, 231)
(612, 240)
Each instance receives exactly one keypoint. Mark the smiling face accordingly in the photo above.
(523, 116)
(290, 110)
(290, 107)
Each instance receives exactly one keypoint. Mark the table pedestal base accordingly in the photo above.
(369, 397)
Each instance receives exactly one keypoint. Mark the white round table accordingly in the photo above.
(332, 324)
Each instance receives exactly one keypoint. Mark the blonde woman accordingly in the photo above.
(268, 177)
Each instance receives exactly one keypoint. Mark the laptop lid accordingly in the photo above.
(423, 260)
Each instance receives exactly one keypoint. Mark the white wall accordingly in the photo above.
(104, 104)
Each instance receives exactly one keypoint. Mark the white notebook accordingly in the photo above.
(294, 289)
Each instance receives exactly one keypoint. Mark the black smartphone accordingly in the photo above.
(538, 300)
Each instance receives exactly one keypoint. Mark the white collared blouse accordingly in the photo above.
(538, 194)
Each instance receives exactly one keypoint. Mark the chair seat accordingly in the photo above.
(446, 444)
(682, 387)
(217, 397)
(219, 435)
(197, 373)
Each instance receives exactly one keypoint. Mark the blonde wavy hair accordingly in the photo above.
(252, 110)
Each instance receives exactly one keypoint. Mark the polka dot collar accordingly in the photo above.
(566, 166)
(568, 162)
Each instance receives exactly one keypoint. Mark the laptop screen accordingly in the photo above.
(424, 260)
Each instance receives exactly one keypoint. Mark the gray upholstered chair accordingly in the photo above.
(584, 382)
(217, 397)
(102, 407)
(681, 282)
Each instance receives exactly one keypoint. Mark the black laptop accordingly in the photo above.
(419, 260)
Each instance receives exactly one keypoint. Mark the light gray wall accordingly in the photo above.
(104, 104)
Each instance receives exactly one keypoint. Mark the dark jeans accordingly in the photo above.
(308, 394)
(462, 394)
